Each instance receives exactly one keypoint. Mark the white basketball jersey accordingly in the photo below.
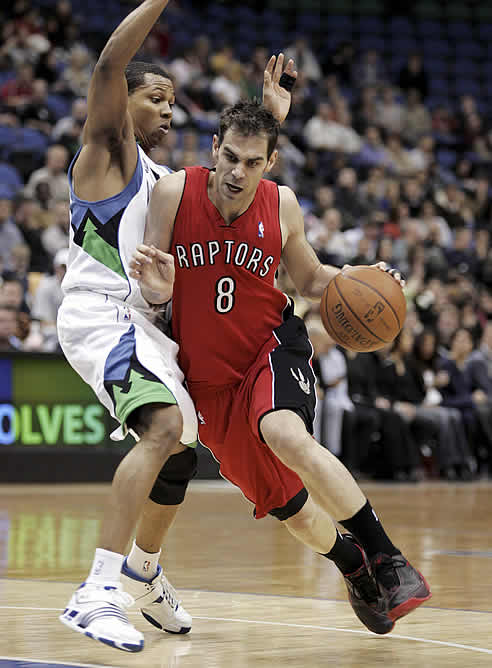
(104, 235)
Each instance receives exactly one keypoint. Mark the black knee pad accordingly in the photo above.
(170, 486)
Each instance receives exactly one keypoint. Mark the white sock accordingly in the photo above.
(106, 567)
(143, 564)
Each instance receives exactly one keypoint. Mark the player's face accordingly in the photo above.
(150, 107)
(240, 163)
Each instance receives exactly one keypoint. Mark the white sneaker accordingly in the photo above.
(157, 600)
(98, 611)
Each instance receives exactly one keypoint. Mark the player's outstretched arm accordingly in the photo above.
(277, 86)
(108, 91)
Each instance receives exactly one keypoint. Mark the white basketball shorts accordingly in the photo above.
(126, 359)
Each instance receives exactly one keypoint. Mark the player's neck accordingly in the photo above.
(229, 210)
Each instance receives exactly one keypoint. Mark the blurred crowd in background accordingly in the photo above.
(381, 170)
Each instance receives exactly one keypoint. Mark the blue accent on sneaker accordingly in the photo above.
(134, 576)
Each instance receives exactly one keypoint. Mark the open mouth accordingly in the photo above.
(164, 128)
(233, 189)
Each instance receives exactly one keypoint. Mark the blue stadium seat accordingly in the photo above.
(401, 25)
(367, 42)
(464, 68)
(59, 105)
(369, 25)
(7, 139)
(484, 31)
(10, 178)
(403, 44)
(341, 22)
(467, 87)
(439, 86)
(446, 158)
(432, 29)
(468, 50)
(434, 48)
(437, 67)
(459, 30)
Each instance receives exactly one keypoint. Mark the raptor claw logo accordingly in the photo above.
(303, 382)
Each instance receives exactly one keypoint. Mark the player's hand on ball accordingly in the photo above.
(154, 270)
(391, 271)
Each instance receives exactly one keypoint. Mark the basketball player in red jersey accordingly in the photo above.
(247, 358)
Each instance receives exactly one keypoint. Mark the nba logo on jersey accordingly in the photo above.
(261, 229)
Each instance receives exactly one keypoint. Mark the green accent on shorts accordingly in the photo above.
(100, 250)
(141, 392)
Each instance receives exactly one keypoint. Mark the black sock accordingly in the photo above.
(345, 555)
(367, 528)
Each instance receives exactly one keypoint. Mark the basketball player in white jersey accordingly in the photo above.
(106, 331)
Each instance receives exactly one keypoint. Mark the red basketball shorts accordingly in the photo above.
(229, 417)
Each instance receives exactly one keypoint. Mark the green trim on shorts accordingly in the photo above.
(191, 445)
(141, 391)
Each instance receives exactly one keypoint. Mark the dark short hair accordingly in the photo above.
(250, 118)
(137, 69)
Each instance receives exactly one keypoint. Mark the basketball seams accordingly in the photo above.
(325, 313)
(355, 314)
(367, 285)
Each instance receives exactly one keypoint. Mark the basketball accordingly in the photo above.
(363, 308)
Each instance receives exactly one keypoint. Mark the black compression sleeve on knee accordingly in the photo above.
(170, 486)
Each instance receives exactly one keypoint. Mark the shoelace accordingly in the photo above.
(170, 594)
(385, 570)
(366, 588)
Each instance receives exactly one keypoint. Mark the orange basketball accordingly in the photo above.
(363, 308)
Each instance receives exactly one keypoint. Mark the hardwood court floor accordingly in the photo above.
(259, 599)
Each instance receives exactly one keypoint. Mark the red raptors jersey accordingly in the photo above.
(225, 305)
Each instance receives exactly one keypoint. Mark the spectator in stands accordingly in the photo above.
(370, 70)
(56, 235)
(10, 235)
(422, 155)
(323, 133)
(304, 58)
(479, 363)
(390, 111)
(416, 120)
(37, 114)
(328, 241)
(8, 328)
(348, 199)
(74, 80)
(366, 111)
(373, 151)
(31, 221)
(53, 174)
(18, 91)
(368, 233)
(391, 452)
(341, 63)
(413, 76)
(48, 298)
(461, 255)
(398, 156)
(460, 393)
(226, 87)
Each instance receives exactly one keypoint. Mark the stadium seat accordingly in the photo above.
(468, 50)
(10, 178)
(430, 29)
(369, 25)
(446, 158)
(457, 31)
(401, 25)
(484, 31)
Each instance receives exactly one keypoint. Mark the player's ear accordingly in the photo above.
(215, 148)
(271, 161)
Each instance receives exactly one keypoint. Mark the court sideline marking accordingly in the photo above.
(313, 627)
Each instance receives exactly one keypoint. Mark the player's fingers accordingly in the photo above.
(269, 67)
(396, 275)
(142, 258)
(279, 66)
(291, 69)
(146, 250)
(165, 258)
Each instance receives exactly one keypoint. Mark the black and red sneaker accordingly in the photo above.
(367, 600)
(402, 584)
